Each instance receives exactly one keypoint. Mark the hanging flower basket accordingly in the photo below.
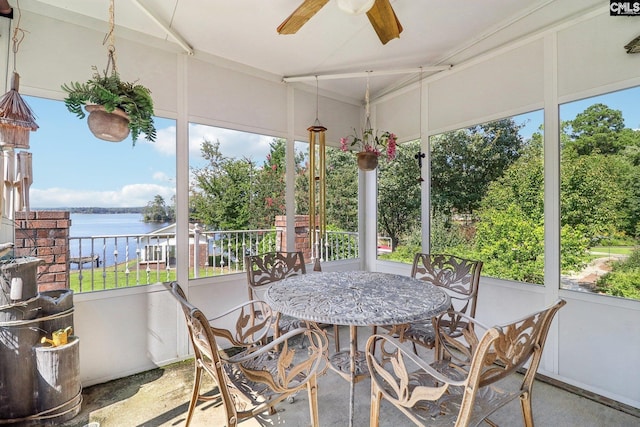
(367, 160)
(112, 126)
(371, 147)
(121, 104)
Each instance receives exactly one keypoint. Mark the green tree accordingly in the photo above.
(597, 129)
(399, 189)
(220, 191)
(510, 231)
(465, 162)
(511, 244)
(342, 190)
(158, 211)
(341, 187)
(268, 185)
(593, 194)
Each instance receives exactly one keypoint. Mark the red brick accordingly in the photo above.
(46, 278)
(44, 242)
(49, 223)
(53, 214)
(56, 268)
(48, 259)
(66, 223)
(25, 215)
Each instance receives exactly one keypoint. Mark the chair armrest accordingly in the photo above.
(259, 303)
(253, 320)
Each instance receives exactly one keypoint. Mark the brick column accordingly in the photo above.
(301, 230)
(45, 235)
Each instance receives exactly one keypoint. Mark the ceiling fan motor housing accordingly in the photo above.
(355, 7)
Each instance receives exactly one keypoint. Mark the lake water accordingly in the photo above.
(86, 225)
(90, 225)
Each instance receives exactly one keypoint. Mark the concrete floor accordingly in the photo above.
(160, 397)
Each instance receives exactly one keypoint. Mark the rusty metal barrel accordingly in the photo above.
(39, 382)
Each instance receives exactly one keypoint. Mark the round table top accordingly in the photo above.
(358, 298)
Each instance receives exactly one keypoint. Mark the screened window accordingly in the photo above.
(600, 194)
(487, 193)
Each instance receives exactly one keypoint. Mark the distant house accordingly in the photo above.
(159, 247)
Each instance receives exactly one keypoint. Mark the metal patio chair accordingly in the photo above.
(460, 278)
(462, 386)
(252, 378)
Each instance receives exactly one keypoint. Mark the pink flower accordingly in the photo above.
(343, 144)
(371, 142)
(391, 147)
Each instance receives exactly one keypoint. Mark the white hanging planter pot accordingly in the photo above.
(113, 127)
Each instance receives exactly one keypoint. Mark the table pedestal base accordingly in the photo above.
(341, 363)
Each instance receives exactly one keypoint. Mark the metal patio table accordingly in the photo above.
(356, 298)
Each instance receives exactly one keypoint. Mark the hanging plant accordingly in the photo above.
(107, 90)
(115, 107)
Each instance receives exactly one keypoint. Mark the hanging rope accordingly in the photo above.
(366, 98)
(111, 39)
(420, 155)
(317, 100)
(18, 36)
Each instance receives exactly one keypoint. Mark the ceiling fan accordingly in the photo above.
(380, 14)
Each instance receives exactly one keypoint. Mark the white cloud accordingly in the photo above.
(165, 142)
(162, 177)
(134, 195)
(233, 143)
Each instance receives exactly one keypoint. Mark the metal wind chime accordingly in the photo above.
(317, 188)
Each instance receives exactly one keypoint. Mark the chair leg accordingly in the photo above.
(374, 331)
(312, 391)
(527, 412)
(374, 414)
(336, 337)
(194, 394)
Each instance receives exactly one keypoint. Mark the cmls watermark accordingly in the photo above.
(624, 8)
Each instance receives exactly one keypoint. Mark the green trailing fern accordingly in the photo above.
(110, 92)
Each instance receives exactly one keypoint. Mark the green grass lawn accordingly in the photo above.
(617, 250)
(115, 277)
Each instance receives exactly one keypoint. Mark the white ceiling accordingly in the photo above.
(436, 32)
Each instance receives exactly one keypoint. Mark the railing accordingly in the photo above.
(120, 261)
(339, 245)
(226, 249)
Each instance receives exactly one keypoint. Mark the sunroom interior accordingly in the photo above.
(454, 66)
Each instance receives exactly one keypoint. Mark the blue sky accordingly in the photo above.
(72, 168)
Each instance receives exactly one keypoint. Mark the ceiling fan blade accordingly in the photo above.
(300, 16)
(384, 21)
(633, 46)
